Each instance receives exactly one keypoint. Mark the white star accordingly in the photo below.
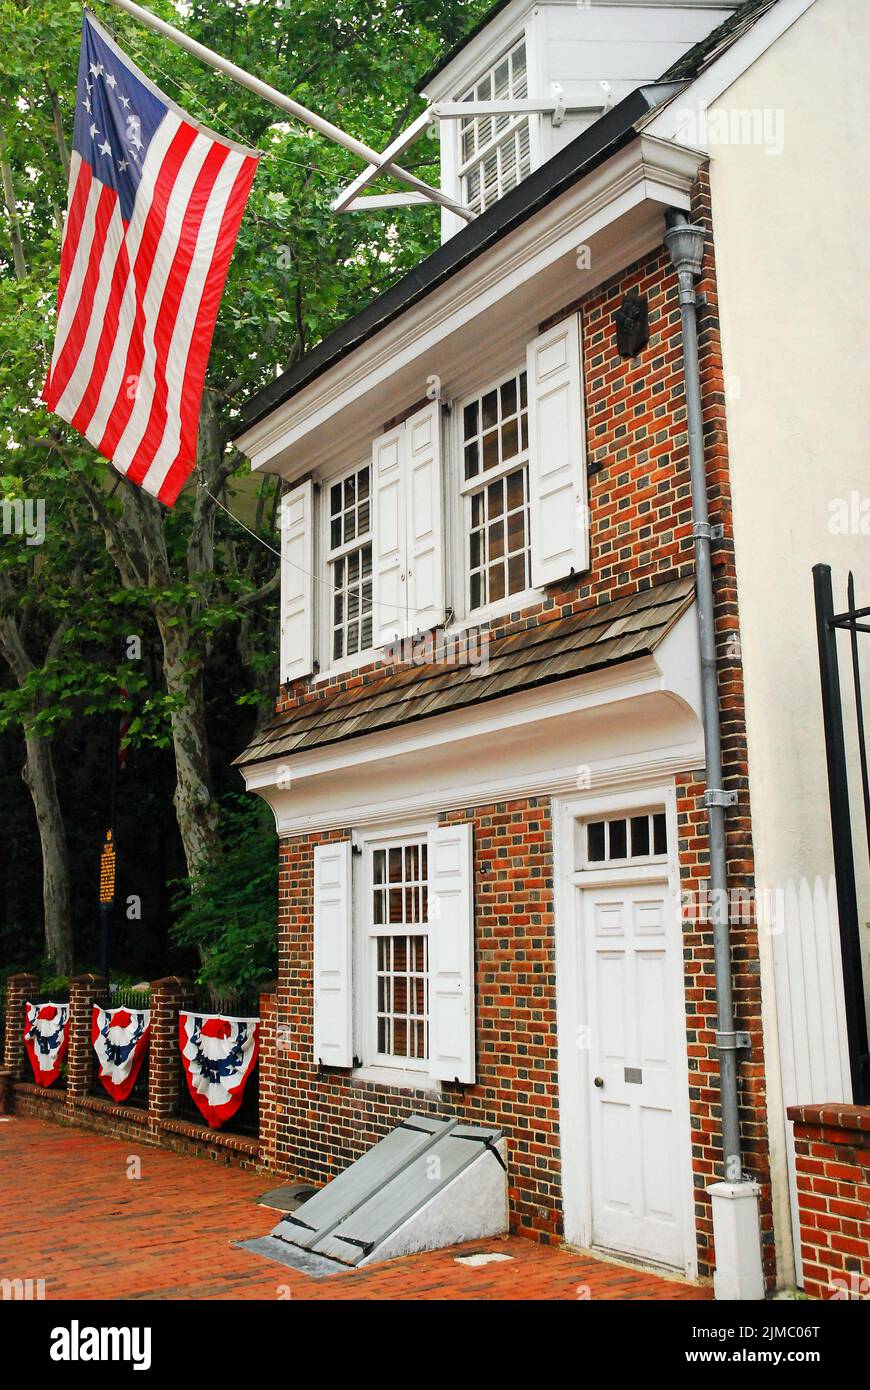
(96, 69)
(122, 166)
(112, 80)
(94, 130)
(105, 148)
(88, 105)
(89, 85)
(125, 101)
(134, 140)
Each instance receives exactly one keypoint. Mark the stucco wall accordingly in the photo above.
(792, 263)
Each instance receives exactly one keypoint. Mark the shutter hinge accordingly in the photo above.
(705, 530)
(714, 796)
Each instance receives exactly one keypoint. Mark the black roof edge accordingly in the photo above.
(611, 132)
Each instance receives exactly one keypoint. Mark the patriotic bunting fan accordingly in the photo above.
(219, 1055)
(46, 1034)
(120, 1038)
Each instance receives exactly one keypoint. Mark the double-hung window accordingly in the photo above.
(396, 923)
(495, 151)
(349, 563)
(394, 954)
(495, 487)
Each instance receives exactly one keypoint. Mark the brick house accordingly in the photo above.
(487, 765)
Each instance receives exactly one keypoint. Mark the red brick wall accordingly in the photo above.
(832, 1148)
(640, 534)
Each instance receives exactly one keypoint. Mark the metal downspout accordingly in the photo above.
(686, 245)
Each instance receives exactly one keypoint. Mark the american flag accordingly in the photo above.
(155, 203)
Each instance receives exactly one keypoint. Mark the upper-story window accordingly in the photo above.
(350, 562)
(495, 151)
(495, 486)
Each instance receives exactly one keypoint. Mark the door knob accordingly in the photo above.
(599, 1082)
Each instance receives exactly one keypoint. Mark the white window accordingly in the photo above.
(495, 151)
(396, 923)
(349, 562)
(641, 837)
(495, 485)
(394, 955)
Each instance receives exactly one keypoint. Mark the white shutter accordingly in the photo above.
(557, 454)
(333, 1028)
(297, 567)
(389, 588)
(425, 521)
(451, 954)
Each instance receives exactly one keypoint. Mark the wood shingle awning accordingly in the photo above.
(602, 635)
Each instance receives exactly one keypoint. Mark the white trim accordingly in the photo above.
(573, 1076)
(647, 171)
(396, 1078)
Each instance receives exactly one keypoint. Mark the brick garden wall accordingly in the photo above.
(832, 1151)
(640, 534)
(159, 1124)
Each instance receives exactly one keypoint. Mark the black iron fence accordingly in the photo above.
(246, 1120)
(829, 623)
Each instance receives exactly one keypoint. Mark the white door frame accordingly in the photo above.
(574, 1119)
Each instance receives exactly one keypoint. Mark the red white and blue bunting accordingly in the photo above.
(219, 1054)
(46, 1035)
(120, 1038)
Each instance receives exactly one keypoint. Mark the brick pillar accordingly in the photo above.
(84, 992)
(167, 997)
(19, 989)
(268, 1077)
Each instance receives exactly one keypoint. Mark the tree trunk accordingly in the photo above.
(38, 774)
(195, 807)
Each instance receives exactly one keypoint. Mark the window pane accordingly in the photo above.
(660, 834)
(496, 541)
(639, 835)
(496, 583)
(472, 460)
(618, 842)
(510, 440)
(595, 842)
(517, 580)
(469, 419)
(490, 450)
(509, 398)
(495, 499)
(516, 490)
(335, 533)
(490, 410)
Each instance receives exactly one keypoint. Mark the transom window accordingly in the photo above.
(495, 453)
(399, 928)
(350, 562)
(627, 839)
(495, 151)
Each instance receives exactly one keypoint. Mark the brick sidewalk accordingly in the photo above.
(71, 1216)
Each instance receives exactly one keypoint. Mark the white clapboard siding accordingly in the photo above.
(333, 993)
(451, 954)
(425, 522)
(811, 1018)
(389, 588)
(557, 454)
(297, 568)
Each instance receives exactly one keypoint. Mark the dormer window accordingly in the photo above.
(495, 151)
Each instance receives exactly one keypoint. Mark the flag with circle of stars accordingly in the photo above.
(155, 204)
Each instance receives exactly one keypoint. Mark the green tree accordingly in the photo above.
(297, 268)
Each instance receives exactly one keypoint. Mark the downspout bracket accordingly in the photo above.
(714, 796)
(705, 530)
(733, 1042)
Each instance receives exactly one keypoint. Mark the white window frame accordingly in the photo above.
(329, 666)
(462, 490)
(410, 1072)
(628, 861)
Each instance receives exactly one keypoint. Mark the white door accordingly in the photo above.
(636, 1055)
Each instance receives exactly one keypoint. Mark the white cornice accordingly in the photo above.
(648, 172)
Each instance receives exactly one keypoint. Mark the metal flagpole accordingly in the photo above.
(293, 108)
